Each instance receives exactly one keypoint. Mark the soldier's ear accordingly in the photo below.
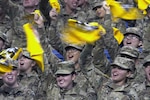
(129, 74)
(73, 76)
(140, 43)
(33, 63)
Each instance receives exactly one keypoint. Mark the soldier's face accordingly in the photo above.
(147, 72)
(65, 81)
(119, 75)
(30, 3)
(72, 4)
(132, 40)
(10, 78)
(100, 12)
(25, 64)
(73, 54)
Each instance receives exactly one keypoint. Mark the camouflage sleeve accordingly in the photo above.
(12, 8)
(54, 36)
(99, 59)
(28, 94)
(86, 57)
(109, 41)
(146, 40)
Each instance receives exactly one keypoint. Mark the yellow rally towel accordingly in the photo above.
(4, 69)
(77, 32)
(143, 4)
(118, 35)
(55, 4)
(34, 46)
(118, 11)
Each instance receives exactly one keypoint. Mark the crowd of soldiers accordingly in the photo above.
(104, 70)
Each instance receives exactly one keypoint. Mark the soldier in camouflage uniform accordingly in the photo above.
(65, 87)
(133, 37)
(73, 53)
(118, 87)
(12, 89)
(18, 37)
(138, 76)
(94, 65)
(29, 75)
(3, 43)
(144, 95)
(103, 18)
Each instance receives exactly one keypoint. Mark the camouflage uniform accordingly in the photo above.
(143, 24)
(94, 65)
(146, 41)
(5, 24)
(145, 87)
(111, 91)
(18, 93)
(30, 80)
(17, 15)
(77, 92)
(144, 95)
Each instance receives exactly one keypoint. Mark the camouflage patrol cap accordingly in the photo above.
(133, 30)
(124, 63)
(26, 53)
(146, 61)
(97, 4)
(79, 47)
(129, 51)
(65, 67)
